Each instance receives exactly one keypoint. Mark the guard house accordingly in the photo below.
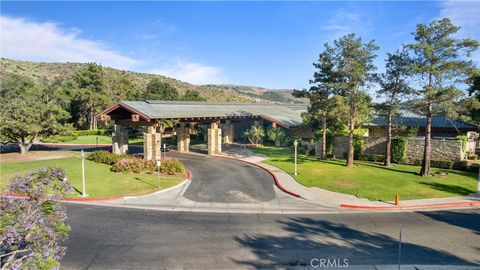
(225, 121)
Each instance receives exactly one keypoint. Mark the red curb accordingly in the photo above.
(277, 181)
(424, 206)
(73, 144)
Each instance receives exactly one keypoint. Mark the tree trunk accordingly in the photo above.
(324, 137)
(425, 171)
(91, 119)
(350, 136)
(388, 144)
(25, 145)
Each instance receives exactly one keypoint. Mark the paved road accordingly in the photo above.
(106, 238)
(226, 181)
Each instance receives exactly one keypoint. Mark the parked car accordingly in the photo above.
(165, 147)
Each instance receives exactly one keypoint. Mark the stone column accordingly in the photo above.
(227, 131)
(214, 140)
(151, 144)
(183, 138)
(120, 140)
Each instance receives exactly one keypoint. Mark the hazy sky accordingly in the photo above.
(269, 44)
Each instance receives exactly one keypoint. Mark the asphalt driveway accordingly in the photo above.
(222, 180)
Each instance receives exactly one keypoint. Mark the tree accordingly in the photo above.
(33, 227)
(439, 61)
(353, 66)
(393, 88)
(474, 81)
(192, 95)
(254, 135)
(276, 135)
(159, 90)
(324, 82)
(30, 115)
(123, 88)
(90, 95)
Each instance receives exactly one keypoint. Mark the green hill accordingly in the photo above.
(49, 72)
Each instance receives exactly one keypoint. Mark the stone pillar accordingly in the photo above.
(214, 140)
(227, 131)
(151, 144)
(183, 138)
(120, 140)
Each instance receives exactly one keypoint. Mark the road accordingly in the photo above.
(106, 238)
(225, 180)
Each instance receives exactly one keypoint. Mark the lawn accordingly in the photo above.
(100, 181)
(371, 180)
(92, 139)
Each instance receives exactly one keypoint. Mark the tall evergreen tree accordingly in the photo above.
(393, 89)
(353, 64)
(439, 61)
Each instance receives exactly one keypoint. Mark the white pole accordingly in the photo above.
(84, 192)
(295, 144)
(159, 163)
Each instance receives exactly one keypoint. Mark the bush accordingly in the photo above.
(465, 165)
(172, 166)
(138, 165)
(134, 165)
(105, 157)
(399, 150)
(372, 157)
(464, 140)
(472, 157)
(59, 138)
(357, 145)
(441, 164)
(95, 132)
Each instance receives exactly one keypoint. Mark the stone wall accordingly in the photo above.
(441, 149)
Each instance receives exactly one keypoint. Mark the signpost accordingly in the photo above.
(84, 192)
(159, 163)
(295, 143)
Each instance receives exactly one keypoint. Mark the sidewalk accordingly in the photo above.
(341, 200)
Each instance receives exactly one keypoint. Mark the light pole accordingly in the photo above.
(84, 192)
(295, 143)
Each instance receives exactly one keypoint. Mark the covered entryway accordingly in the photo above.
(223, 122)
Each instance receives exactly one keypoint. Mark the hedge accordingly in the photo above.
(371, 157)
(357, 146)
(399, 150)
(464, 140)
(105, 157)
(97, 132)
(442, 164)
(169, 166)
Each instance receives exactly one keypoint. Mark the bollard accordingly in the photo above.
(397, 199)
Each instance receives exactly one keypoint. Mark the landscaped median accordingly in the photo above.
(101, 181)
(371, 180)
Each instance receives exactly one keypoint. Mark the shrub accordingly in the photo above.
(399, 150)
(357, 145)
(372, 157)
(59, 138)
(463, 139)
(134, 165)
(472, 157)
(172, 166)
(465, 165)
(33, 227)
(442, 164)
(105, 157)
(95, 132)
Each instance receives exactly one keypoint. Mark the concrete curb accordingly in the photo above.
(412, 207)
(277, 181)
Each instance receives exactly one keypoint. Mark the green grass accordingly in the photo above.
(100, 181)
(371, 180)
(92, 139)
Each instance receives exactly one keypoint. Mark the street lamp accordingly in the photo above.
(295, 143)
(84, 192)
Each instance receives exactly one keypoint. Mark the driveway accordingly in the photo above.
(225, 181)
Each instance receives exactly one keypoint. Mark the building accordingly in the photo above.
(224, 122)
(442, 127)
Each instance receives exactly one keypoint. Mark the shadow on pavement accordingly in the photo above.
(306, 238)
(466, 220)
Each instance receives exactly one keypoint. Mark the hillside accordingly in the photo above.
(49, 72)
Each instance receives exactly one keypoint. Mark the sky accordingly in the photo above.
(266, 44)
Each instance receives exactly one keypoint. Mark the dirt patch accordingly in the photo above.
(34, 155)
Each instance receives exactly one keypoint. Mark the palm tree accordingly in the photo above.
(254, 135)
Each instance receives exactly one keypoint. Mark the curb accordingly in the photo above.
(411, 207)
(277, 181)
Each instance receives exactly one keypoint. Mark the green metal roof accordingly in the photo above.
(287, 115)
